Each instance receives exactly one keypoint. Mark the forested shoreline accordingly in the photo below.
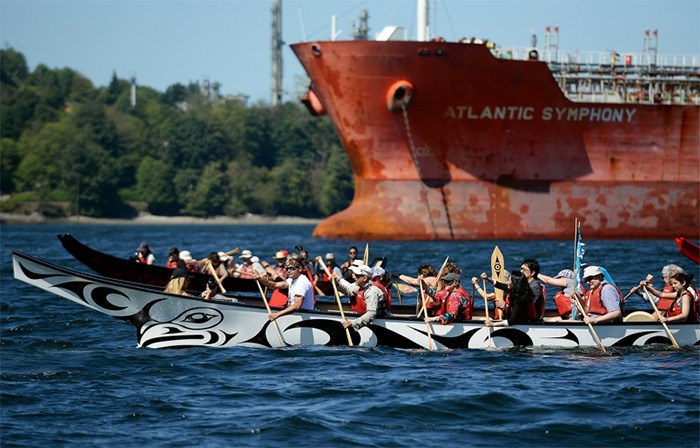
(69, 148)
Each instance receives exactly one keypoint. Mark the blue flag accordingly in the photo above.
(578, 270)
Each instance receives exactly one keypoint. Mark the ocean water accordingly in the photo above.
(72, 377)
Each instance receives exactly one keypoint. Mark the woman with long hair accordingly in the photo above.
(178, 283)
(519, 301)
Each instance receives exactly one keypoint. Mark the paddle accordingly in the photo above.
(211, 269)
(486, 310)
(337, 296)
(497, 270)
(398, 293)
(576, 297)
(439, 274)
(269, 311)
(668, 332)
(365, 256)
(632, 291)
(425, 309)
(231, 252)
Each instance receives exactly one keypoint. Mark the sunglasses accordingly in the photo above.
(291, 268)
(352, 253)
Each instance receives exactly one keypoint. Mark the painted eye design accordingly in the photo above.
(199, 318)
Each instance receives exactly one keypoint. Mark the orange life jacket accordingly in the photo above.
(595, 304)
(563, 303)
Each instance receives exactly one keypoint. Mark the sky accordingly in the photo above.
(164, 42)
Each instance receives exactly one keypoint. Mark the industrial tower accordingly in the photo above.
(277, 43)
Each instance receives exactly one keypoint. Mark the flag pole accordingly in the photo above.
(574, 309)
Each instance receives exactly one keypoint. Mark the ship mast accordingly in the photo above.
(277, 43)
(423, 23)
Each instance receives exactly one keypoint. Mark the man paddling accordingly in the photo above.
(369, 297)
(299, 289)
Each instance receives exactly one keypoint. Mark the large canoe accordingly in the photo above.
(164, 320)
(123, 269)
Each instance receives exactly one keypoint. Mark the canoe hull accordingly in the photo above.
(123, 269)
(167, 321)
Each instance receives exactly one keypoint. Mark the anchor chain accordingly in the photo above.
(414, 153)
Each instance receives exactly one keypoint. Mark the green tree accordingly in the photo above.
(337, 187)
(62, 157)
(291, 190)
(18, 107)
(13, 67)
(9, 161)
(209, 196)
(154, 184)
(115, 88)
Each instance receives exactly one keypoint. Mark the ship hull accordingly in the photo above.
(492, 148)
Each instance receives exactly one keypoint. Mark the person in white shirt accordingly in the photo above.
(300, 291)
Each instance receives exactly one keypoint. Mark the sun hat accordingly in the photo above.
(330, 256)
(361, 270)
(565, 273)
(246, 254)
(592, 271)
(185, 255)
(378, 271)
(223, 256)
(281, 255)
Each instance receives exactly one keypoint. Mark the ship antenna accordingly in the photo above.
(301, 23)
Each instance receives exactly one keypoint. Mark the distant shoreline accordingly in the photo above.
(148, 219)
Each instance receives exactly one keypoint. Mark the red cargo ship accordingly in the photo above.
(452, 141)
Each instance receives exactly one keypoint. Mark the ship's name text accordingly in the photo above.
(526, 113)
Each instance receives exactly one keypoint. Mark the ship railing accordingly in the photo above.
(633, 89)
(592, 61)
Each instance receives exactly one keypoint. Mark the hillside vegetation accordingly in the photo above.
(70, 148)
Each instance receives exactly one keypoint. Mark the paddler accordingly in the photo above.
(369, 296)
(603, 299)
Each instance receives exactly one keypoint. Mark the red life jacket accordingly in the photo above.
(172, 264)
(595, 304)
(279, 298)
(313, 285)
(359, 305)
(563, 303)
(675, 308)
(665, 304)
(387, 295)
